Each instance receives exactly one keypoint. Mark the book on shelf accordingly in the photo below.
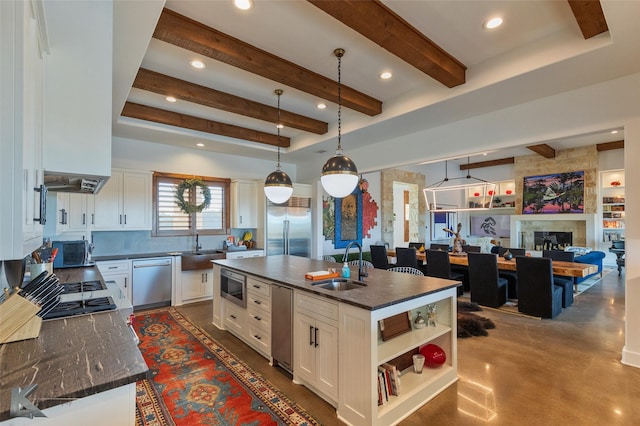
(393, 377)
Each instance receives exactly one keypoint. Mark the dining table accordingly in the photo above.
(563, 268)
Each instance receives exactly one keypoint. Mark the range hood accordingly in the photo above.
(69, 182)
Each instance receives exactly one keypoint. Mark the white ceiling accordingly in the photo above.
(506, 66)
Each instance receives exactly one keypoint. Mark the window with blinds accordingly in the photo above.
(170, 220)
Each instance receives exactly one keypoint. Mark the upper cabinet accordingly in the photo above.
(21, 114)
(613, 204)
(124, 203)
(244, 204)
(77, 98)
(74, 212)
(504, 195)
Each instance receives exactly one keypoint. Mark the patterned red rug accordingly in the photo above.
(195, 381)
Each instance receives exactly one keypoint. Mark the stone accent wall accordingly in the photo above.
(567, 160)
(387, 177)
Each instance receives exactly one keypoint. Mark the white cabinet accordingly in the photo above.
(362, 351)
(316, 344)
(258, 320)
(124, 203)
(244, 254)
(195, 284)
(74, 212)
(234, 317)
(244, 204)
(118, 271)
(21, 130)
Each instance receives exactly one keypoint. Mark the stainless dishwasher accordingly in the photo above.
(282, 326)
(151, 282)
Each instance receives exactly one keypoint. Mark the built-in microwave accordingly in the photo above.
(71, 254)
(233, 287)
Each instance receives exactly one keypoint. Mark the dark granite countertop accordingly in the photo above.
(161, 254)
(72, 357)
(383, 288)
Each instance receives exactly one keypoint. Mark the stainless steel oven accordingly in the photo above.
(233, 287)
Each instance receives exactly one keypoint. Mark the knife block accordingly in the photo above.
(19, 319)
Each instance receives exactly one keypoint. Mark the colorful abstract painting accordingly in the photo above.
(553, 193)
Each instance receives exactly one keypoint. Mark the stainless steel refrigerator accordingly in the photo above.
(289, 227)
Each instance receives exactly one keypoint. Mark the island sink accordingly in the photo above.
(339, 284)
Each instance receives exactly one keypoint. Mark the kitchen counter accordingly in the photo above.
(383, 288)
(73, 357)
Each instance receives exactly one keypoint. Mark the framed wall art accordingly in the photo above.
(553, 193)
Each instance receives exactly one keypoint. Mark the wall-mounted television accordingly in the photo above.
(491, 225)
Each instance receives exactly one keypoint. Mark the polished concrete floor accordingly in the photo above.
(565, 371)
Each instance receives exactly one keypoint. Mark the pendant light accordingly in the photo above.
(277, 186)
(339, 173)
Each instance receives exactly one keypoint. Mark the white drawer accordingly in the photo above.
(114, 266)
(258, 300)
(260, 340)
(259, 318)
(258, 287)
(234, 317)
(316, 305)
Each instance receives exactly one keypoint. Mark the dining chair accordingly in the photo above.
(365, 263)
(443, 247)
(329, 258)
(406, 256)
(406, 270)
(537, 295)
(486, 285)
(510, 276)
(438, 266)
(416, 245)
(379, 256)
(471, 249)
(560, 280)
(464, 270)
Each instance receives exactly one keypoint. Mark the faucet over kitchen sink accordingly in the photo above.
(361, 267)
(198, 245)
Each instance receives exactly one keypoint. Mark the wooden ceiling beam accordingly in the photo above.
(169, 86)
(489, 163)
(188, 34)
(608, 146)
(590, 17)
(157, 115)
(543, 149)
(378, 23)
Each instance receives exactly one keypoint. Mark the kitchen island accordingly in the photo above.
(338, 346)
(85, 367)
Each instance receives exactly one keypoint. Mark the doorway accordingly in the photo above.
(405, 213)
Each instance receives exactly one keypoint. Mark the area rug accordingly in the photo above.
(588, 283)
(195, 381)
(470, 324)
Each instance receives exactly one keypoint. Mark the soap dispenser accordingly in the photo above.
(346, 272)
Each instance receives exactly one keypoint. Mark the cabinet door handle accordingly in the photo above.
(240, 218)
(120, 219)
(317, 344)
(42, 220)
(257, 337)
(125, 219)
(257, 302)
(257, 318)
(125, 282)
(93, 219)
(256, 286)
(84, 218)
(233, 316)
(63, 217)
(310, 335)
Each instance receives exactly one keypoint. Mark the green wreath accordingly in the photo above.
(191, 184)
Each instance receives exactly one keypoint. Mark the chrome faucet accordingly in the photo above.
(198, 246)
(362, 270)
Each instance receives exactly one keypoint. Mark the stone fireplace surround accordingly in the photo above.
(582, 226)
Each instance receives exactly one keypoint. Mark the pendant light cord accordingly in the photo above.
(339, 53)
(279, 93)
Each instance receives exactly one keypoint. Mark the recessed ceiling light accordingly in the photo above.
(197, 64)
(280, 126)
(321, 106)
(385, 75)
(613, 132)
(170, 99)
(484, 153)
(200, 144)
(243, 4)
(493, 23)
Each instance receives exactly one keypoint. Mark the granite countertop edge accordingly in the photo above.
(383, 288)
(128, 256)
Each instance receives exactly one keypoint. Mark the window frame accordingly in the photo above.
(225, 183)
